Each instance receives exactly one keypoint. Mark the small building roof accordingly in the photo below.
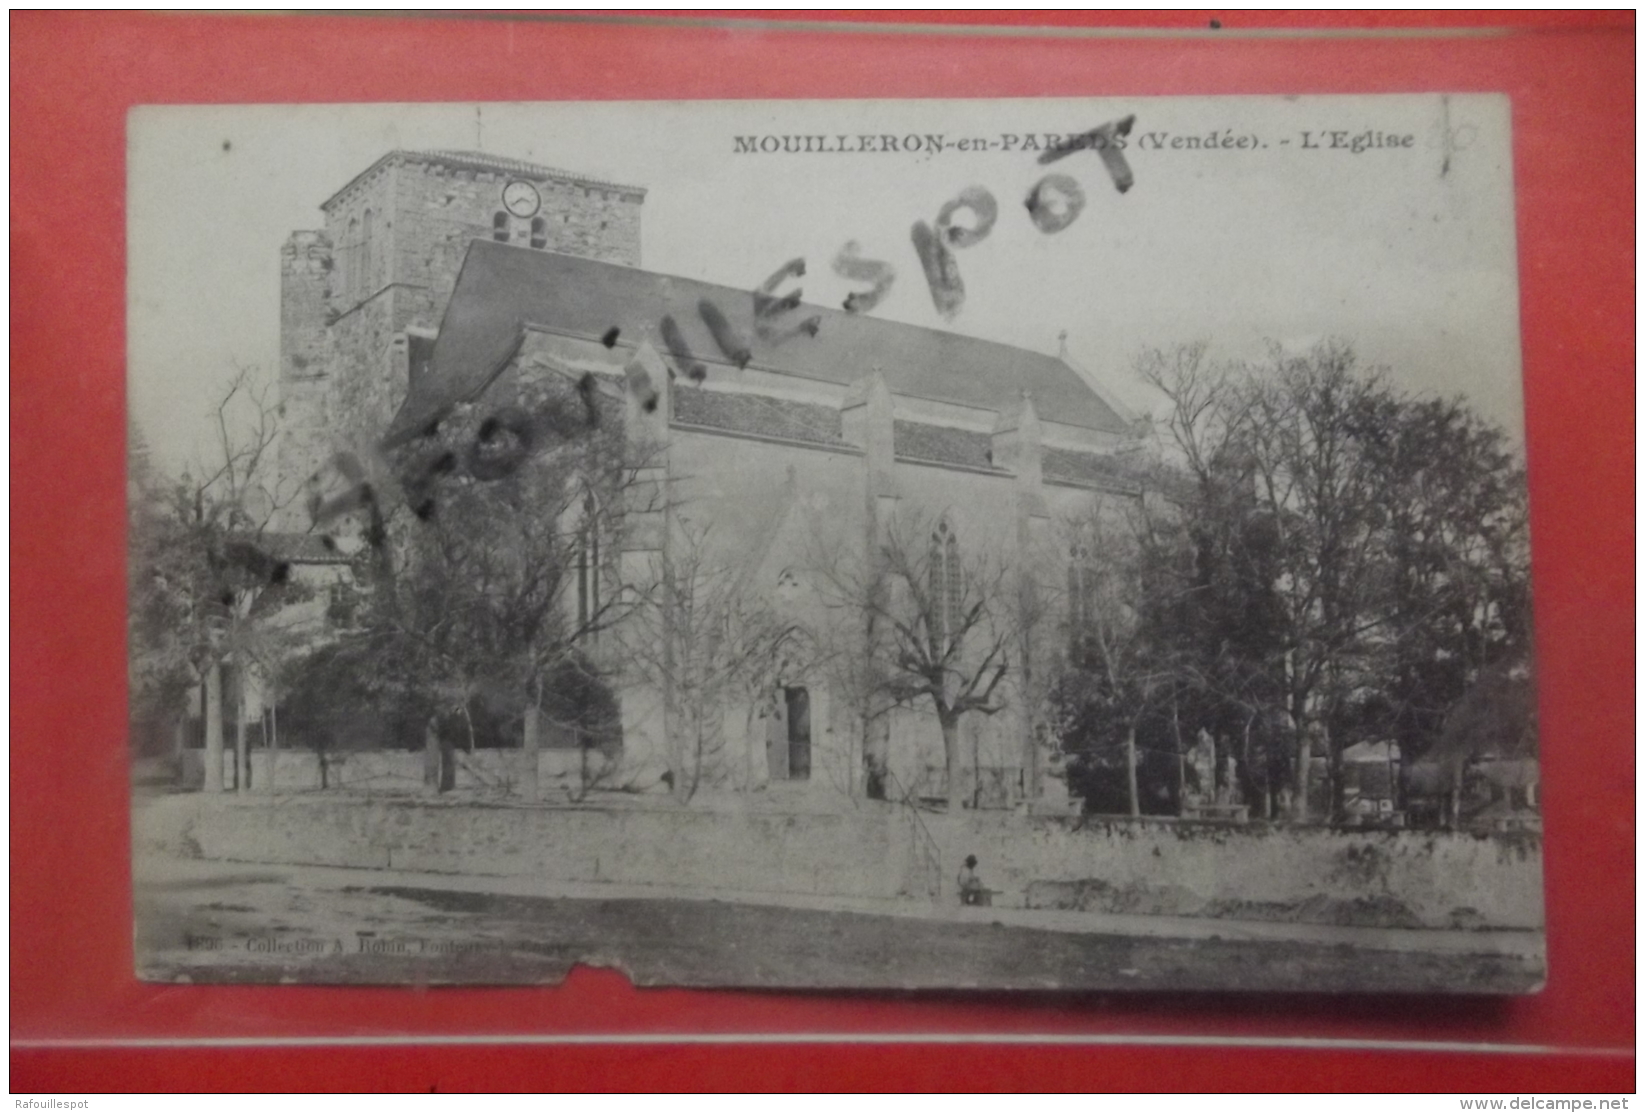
(299, 548)
(503, 289)
(1371, 752)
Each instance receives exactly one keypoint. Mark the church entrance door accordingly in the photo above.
(797, 703)
(776, 741)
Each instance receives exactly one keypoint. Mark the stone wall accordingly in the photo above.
(348, 297)
(307, 357)
(438, 208)
(560, 772)
(1308, 875)
(1311, 874)
(692, 848)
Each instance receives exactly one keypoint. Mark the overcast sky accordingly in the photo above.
(1407, 252)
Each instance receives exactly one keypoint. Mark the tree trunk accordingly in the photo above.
(1245, 763)
(214, 729)
(672, 741)
(264, 781)
(976, 769)
(1333, 791)
(951, 757)
(1182, 759)
(748, 744)
(273, 743)
(1299, 776)
(531, 744)
(448, 764)
(876, 749)
(242, 751)
(431, 756)
(1131, 769)
(696, 757)
(179, 743)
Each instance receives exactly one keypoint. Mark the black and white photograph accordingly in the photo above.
(890, 545)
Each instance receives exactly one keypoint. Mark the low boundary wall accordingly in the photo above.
(1257, 872)
(1306, 875)
(856, 855)
(398, 772)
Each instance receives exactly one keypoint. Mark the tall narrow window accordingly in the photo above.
(539, 232)
(947, 584)
(1084, 588)
(588, 563)
(798, 701)
(499, 227)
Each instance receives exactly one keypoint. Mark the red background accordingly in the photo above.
(1571, 77)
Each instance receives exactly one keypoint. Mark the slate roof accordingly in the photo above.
(502, 288)
(757, 414)
(941, 444)
(1086, 469)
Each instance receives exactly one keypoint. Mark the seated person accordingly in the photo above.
(971, 887)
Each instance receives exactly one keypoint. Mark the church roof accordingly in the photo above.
(502, 289)
(758, 414)
(1088, 469)
(942, 444)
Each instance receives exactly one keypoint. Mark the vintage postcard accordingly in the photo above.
(866, 544)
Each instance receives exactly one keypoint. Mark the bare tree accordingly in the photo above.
(1209, 404)
(848, 648)
(939, 627)
(1116, 671)
(708, 642)
(497, 575)
(207, 571)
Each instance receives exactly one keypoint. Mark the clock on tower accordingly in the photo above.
(521, 199)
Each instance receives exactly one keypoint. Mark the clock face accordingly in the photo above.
(520, 198)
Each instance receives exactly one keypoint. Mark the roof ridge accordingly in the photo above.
(481, 160)
(804, 306)
(502, 288)
(506, 162)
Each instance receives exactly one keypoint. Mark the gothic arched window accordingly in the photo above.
(946, 589)
(499, 228)
(588, 562)
(1093, 607)
(1082, 590)
(539, 232)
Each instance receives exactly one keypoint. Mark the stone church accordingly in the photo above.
(440, 276)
